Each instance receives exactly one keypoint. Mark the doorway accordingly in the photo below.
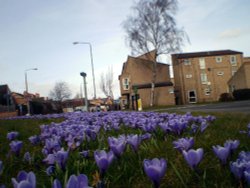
(192, 96)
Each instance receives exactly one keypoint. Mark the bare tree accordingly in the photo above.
(106, 83)
(153, 27)
(60, 91)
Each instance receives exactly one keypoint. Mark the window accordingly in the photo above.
(187, 62)
(125, 83)
(233, 72)
(188, 75)
(203, 78)
(207, 91)
(171, 90)
(202, 63)
(233, 60)
(220, 73)
(218, 59)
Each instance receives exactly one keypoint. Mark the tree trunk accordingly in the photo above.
(152, 96)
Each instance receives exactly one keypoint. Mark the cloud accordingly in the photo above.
(231, 33)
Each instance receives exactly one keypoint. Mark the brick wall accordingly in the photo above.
(7, 114)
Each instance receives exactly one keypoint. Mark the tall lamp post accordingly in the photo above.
(26, 87)
(83, 74)
(92, 64)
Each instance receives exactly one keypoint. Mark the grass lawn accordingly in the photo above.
(127, 170)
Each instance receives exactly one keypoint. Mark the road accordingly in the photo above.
(235, 106)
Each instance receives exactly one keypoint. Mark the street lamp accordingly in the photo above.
(92, 64)
(83, 74)
(26, 87)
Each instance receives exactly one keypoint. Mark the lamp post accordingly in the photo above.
(92, 64)
(26, 87)
(83, 74)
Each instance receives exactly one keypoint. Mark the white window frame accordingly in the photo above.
(220, 73)
(233, 60)
(189, 76)
(207, 91)
(186, 62)
(125, 83)
(204, 78)
(233, 72)
(218, 59)
(202, 63)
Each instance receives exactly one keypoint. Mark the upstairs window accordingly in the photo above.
(125, 83)
(187, 62)
(218, 59)
(188, 75)
(233, 60)
(202, 63)
(203, 78)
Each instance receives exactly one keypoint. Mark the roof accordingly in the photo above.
(148, 85)
(19, 98)
(205, 54)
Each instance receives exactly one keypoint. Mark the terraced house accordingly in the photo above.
(136, 78)
(204, 76)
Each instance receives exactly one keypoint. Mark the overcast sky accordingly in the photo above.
(39, 34)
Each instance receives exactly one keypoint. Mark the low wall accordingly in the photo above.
(8, 114)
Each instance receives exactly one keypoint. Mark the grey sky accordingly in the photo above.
(40, 34)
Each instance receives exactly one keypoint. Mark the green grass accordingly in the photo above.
(127, 171)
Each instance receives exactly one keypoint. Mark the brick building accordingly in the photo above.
(241, 79)
(136, 78)
(204, 76)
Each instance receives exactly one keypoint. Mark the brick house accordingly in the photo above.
(204, 76)
(136, 78)
(241, 79)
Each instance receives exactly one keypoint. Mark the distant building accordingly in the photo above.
(204, 76)
(136, 78)
(241, 79)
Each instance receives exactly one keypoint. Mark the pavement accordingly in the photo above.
(235, 106)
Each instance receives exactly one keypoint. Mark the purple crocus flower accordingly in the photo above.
(50, 170)
(15, 146)
(247, 176)
(193, 157)
(134, 140)
(222, 153)
(61, 158)
(117, 145)
(50, 159)
(12, 135)
(232, 144)
(57, 184)
(204, 125)
(80, 181)
(146, 136)
(27, 157)
(24, 180)
(155, 169)
(84, 153)
(103, 160)
(237, 168)
(34, 140)
(183, 144)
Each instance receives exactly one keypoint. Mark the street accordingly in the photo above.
(235, 106)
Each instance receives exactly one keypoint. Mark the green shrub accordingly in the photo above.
(224, 97)
(241, 94)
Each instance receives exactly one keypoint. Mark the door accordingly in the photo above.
(192, 96)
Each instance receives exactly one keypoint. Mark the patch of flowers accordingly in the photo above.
(100, 140)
